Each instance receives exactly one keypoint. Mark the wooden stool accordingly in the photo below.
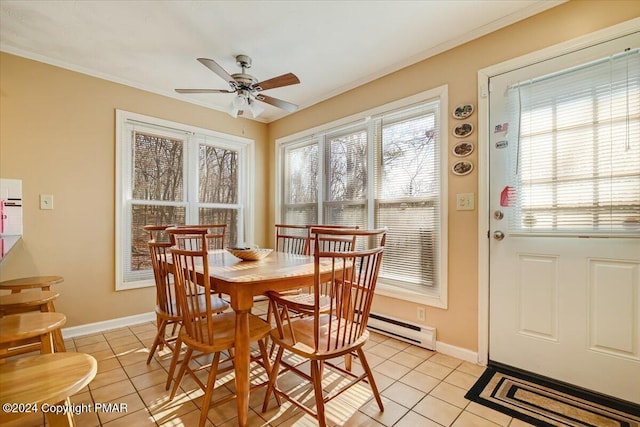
(32, 301)
(42, 282)
(45, 379)
(18, 330)
(26, 301)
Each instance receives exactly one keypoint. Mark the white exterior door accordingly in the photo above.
(564, 288)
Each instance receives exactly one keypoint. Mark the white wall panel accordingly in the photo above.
(614, 320)
(538, 289)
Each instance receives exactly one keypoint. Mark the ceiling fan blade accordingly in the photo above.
(204, 91)
(213, 66)
(283, 80)
(277, 102)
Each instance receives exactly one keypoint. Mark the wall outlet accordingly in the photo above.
(421, 314)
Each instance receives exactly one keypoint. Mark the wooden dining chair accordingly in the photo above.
(289, 240)
(216, 234)
(203, 331)
(292, 239)
(167, 309)
(157, 233)
(322, 334)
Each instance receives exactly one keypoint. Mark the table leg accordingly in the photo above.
(61, 420)
(242, 359)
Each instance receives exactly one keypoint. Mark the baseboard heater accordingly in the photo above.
(423, 336)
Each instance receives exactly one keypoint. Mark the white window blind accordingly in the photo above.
(381, 171)
(408, 194)
(577, 168)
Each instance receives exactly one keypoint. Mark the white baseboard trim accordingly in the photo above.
(106, 325)
(94, 328)
(457, 352)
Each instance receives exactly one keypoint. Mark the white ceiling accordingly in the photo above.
(332, 46)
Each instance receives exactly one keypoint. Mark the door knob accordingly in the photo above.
(498, 235)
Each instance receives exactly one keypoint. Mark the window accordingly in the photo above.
(383, 168)
(578, 168)
(170, 173)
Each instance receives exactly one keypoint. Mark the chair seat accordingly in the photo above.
(17, 285)
(17, 327)
(26, 300)
(47, 378)
(301, 301)
(303, 332)
(224, 325)
(218, 305)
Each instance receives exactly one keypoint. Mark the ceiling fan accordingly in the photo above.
(248, 88)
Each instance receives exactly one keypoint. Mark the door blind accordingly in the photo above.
(577, 160)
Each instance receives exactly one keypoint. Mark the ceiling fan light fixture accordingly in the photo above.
(240, 101)
(255, 109)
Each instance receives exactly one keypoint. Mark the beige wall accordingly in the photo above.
(58, 136)
(458, 325)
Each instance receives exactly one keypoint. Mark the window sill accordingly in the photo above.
(135, 285)
(424, 298)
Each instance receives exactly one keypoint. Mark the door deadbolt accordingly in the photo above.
(498, 215)
(498, 235)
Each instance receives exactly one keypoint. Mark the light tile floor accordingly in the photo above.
(419, 388)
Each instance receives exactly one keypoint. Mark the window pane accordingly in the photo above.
(218, 175)
(302, 178)
(222, 216)
(408, 196)
(142, 215)
(347, 166)
(409, 163)
(157, 167)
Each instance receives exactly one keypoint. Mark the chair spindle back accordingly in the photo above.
(191, 262)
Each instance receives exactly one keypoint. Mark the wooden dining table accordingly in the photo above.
(242, 281)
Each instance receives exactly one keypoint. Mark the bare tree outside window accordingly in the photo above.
(301, 194)
(157, 176)
(158, 170)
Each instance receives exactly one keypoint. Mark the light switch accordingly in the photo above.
(465, 202)
(46, 201)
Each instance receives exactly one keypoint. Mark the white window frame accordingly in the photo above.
(193, 137)
(387, 289)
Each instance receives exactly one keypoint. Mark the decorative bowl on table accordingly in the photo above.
(249, 254)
